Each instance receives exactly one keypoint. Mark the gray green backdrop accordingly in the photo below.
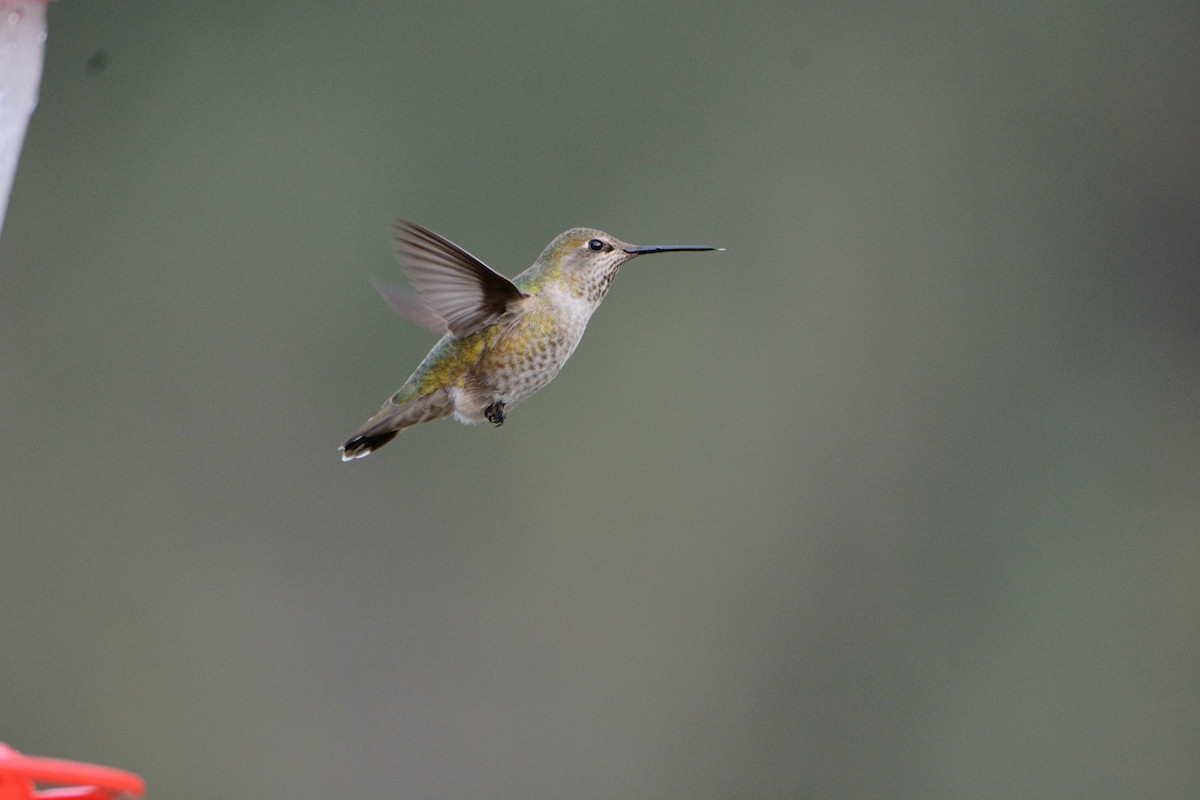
(897, 497)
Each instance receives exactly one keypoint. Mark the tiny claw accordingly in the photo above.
(495, 413)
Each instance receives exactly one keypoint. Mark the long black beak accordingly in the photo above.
(637, 251)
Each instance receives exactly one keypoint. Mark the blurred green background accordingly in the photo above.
(897, 497)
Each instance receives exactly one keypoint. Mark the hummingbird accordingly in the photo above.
(503, 339)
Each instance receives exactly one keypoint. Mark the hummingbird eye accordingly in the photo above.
(596, 244)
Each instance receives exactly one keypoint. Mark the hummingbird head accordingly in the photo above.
(587, 259)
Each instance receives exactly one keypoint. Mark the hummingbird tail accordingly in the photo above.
(359, 446)
(393, 418)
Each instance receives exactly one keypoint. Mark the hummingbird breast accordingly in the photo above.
(524, 356)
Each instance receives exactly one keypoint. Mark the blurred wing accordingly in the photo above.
(411, 306)
(458, 287)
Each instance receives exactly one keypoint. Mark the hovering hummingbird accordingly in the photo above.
(503, 339)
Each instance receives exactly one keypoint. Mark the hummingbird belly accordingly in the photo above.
(524, 358)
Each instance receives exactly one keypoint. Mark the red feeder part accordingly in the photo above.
(19, 774)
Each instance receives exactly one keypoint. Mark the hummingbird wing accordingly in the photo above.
(462, 290)
(411, 306)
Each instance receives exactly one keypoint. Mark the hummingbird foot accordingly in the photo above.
(495, 413)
